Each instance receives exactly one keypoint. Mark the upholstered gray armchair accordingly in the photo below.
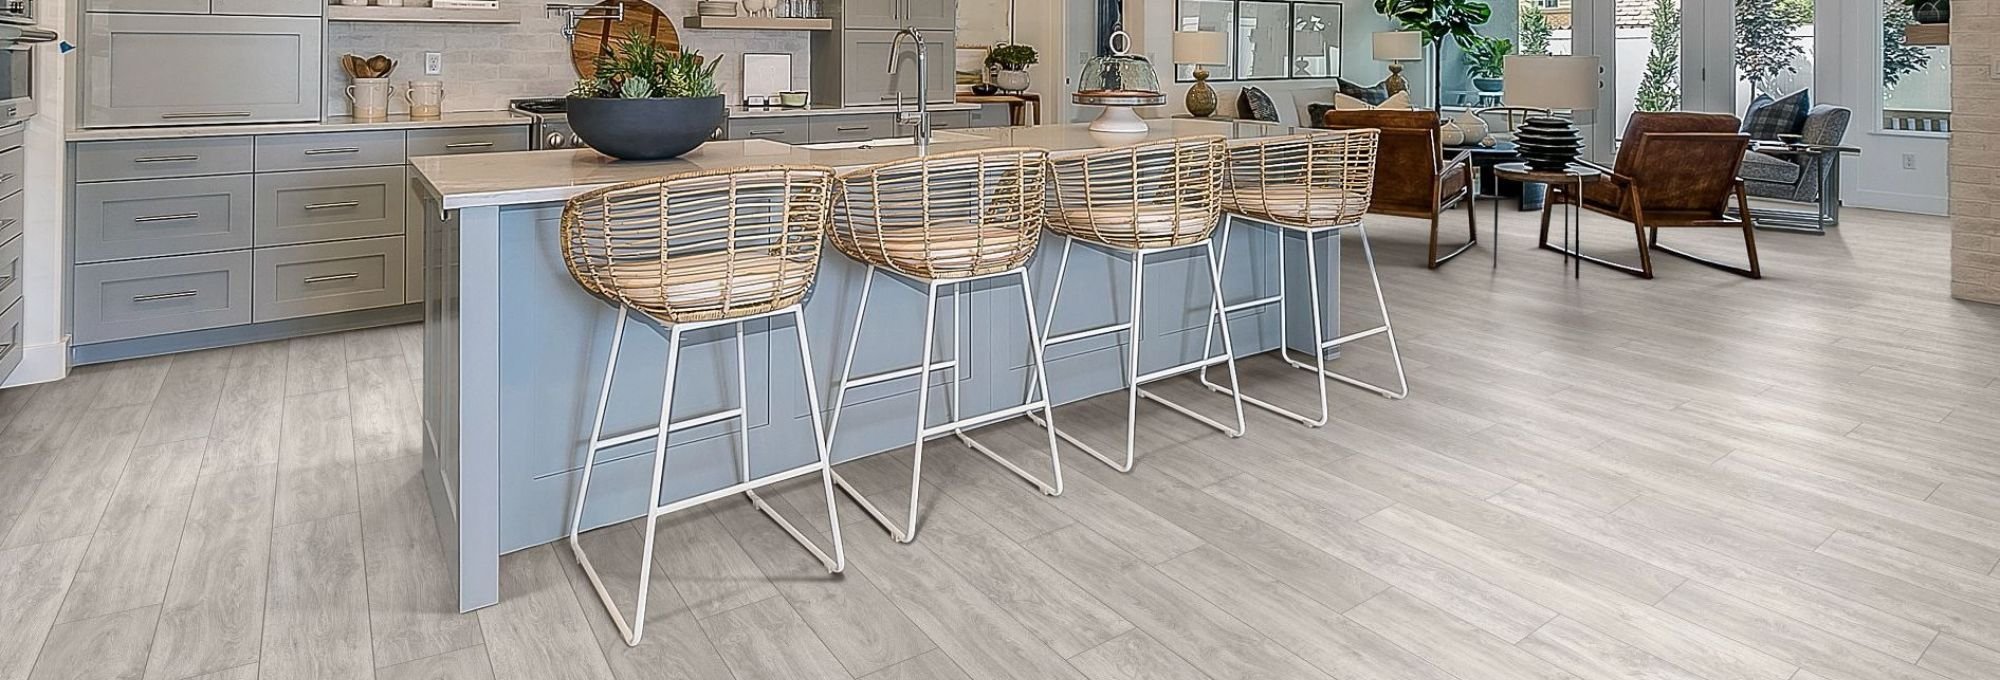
(1798, 177)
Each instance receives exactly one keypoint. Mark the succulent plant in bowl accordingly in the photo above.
(647, 102)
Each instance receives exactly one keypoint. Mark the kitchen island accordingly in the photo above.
(514, 350)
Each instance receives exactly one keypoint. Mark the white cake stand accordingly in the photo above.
(1120, 109)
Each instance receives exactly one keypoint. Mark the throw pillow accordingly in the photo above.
(1373, 94)
(1782, 116)
(1258, 105)
(1398, 102)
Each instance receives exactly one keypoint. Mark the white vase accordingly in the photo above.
(1474, 127)
(1011, 81)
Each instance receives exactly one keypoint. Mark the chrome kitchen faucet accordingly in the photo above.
(922, 117)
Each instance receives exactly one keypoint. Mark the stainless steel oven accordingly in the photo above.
(17, 70)
(17, 12)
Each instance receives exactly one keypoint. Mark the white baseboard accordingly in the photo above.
(40, 364)
(1895, 201)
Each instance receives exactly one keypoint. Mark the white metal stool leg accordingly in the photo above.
(635, 630)
(1133, 379)
(1387, 328)
(1284, 325)
(957, 424)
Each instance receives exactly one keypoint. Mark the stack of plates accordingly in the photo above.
(1549, 144)
(716, 8)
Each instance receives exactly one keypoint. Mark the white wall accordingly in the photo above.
(1850, 75)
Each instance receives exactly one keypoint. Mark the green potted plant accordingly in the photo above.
(1438, 20)
(1010, 63)
(1930, 11)
(647, 102)
(1486, 59)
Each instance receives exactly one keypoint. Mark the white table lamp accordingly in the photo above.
(1396, 47)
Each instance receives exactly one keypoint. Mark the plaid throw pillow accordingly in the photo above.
(1782, 116)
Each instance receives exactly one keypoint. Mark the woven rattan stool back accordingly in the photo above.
(1153, 195)
(1308, 181)
(701, 246)
(947, 216)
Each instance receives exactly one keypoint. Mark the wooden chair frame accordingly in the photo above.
(1631, 207)
(1440, 199)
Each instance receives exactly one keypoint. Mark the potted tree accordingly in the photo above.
(1930, 11)
(647, 102)
(1011, 62)
(1438, 21)
(1485, 60)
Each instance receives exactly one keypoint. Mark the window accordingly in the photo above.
(1268, 39)
(1916, 79)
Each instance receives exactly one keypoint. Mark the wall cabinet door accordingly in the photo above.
(865, 68)
(872, 13)
(939, 15)
(162, 69)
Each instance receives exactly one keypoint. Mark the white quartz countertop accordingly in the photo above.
(834, 110)
(334, 124)
(529, 177)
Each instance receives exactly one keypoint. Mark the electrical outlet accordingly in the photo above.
(1909, 161)
(433, 63)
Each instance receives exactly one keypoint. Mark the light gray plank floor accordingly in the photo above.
(1698, 477)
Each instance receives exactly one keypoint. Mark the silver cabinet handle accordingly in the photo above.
(468, 145)
(850, 128)
(205, 114)
(767, 132)
(331, 206)
(9, 177)
(156, 297)
(333, 150)
(333, 277)
(166, 159)
(167, 218)
(8, 222)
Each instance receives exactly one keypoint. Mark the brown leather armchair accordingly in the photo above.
(1412, 176)
(1674, 169)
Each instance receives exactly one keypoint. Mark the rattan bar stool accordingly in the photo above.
(1316, 184)
(692, 252)
(1134, 203)
(942, 222)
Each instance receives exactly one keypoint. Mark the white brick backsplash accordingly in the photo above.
(487, 64)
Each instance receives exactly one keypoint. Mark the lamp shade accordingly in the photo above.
(1201, 47)
(1399, 46)
(1552, 82)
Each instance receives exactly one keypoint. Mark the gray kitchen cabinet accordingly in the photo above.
(178, 69)
(931, 15)
(789, 130)
(11, 336)
(852, 128)
(453, 141)
(141, 159)
(993, 115)
(940, 15)
(329, 150)
(325, 278)
(10, 269)
(149, 218)
(865, 78)
(301, 8)
(326, 205)
(149, 6)
(951, 120)
(120, 300)
(12, 218)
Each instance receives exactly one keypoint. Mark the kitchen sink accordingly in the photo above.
(937, 137)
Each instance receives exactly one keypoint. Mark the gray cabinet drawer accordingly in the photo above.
(148, 6)
(123, 220)
(324, 205)
(10, 270)
(140, 159)
(851, 128)
(297, 8)
(332, 150)
(951, 120)
(993, 115)
(793, 130)
(13, 170)
(448, 141)
(10, 338)
(14, 137)
(324, 278)
(120, 300)
(12, 217)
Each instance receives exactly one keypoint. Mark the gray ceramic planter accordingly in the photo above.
(645, 129)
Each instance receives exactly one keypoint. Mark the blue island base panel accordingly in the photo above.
(515, 354)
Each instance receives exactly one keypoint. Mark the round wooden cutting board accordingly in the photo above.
(601, 36)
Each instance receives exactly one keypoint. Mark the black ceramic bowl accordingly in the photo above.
(645, 129)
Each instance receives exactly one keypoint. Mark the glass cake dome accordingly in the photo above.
(1118, 82)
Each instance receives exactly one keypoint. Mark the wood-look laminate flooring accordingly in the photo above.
(1696, 477)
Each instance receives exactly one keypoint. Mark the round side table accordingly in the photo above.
(1574, 175)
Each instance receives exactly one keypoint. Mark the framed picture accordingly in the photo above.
(970, 65)
(765, 75)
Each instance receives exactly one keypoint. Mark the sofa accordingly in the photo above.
(1305, 106)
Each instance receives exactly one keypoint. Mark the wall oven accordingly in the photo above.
(17, 70)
